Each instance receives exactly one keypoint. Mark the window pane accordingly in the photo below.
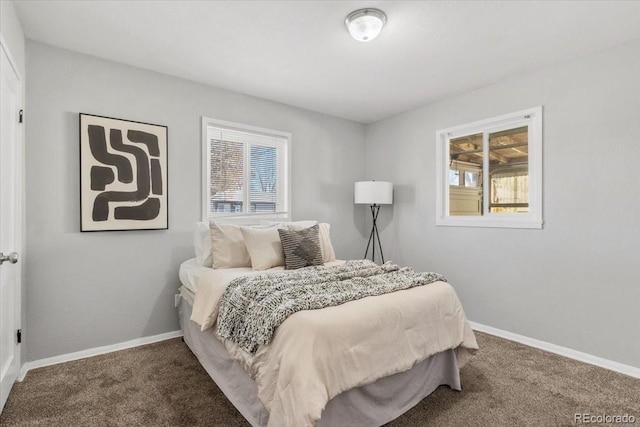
(467, 149)
(227, 176)
(509, 170)
(263, 195)
(465, 163)
(471, 179)
(454, 177)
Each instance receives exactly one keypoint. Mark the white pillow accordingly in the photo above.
(227, 246)
(285, 224)
(202, 244)
(328, 253)
(264, 247)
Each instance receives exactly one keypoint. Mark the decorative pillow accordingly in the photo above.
(227, 246)
(301, 247)
(326, 247)
(202, 244)
(264, 247)
(328, 254)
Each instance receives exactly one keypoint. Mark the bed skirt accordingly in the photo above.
(370, 405)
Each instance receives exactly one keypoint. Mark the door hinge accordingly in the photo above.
(19, 336)
(20, 116)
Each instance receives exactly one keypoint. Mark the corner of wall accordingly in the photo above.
(12, 34)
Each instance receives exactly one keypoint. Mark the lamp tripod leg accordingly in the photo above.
(375, 209)
(368, 244)
(373, 248)
(375, 227)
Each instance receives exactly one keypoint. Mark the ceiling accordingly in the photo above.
(299, 52)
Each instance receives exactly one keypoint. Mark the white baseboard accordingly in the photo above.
(95, 352)
(632, 371)
(531, 342)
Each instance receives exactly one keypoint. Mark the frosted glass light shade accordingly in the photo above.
(373, 193)
(364, 25)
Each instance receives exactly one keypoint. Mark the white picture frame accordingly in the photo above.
(123, 175)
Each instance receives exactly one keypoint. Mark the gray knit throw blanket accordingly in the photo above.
(252, 307)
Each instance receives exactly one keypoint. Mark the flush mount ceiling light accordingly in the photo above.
(364, 25)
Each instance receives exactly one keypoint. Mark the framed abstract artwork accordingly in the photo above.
(123, 175)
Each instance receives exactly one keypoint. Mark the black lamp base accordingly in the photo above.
(374, 235)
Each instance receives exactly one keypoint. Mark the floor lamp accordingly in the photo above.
(374, 194)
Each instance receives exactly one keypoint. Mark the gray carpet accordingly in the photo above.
(162, 384)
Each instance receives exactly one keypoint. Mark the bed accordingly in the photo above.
(360, 363)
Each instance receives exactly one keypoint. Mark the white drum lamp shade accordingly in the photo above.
(373, 193)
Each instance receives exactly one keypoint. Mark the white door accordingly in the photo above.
(10, 223)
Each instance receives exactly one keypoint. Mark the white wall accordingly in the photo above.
(576, 283)
(93, 289)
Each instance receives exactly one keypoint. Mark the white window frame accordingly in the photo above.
(284, 172)
(533, 219)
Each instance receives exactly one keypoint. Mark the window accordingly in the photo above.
(246, 171)
(489, 173)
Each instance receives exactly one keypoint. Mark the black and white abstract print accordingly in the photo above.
(123, 174)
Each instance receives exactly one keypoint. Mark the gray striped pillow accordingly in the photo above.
(301, 247)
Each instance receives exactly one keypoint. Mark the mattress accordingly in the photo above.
(369, 405)
(190, 272)
(186, 294)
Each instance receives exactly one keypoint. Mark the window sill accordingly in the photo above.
(490, 222)
(249, 219)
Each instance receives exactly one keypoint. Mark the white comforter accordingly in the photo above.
(317, 354)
